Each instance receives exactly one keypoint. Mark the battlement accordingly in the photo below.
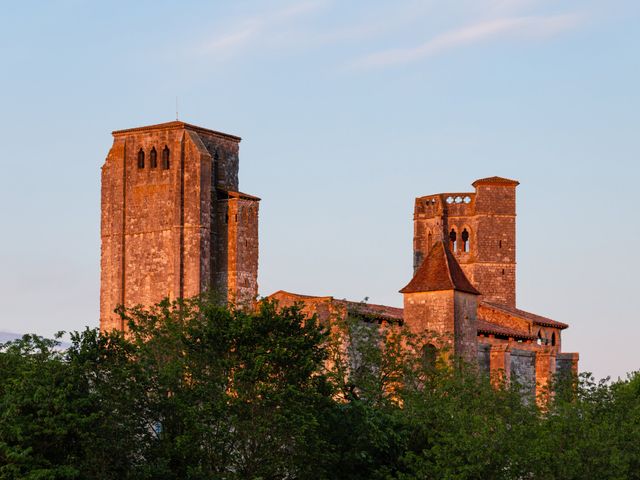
(452, 203)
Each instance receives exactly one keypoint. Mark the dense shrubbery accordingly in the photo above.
(195, 391)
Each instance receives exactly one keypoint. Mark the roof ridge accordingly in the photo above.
(175, 124)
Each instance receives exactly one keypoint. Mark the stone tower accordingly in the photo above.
(440, 300)
(173, 221)
(480, 230)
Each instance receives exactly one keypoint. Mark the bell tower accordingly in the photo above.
(173, 222)
(479, 229)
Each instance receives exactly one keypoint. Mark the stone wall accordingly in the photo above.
(431, 314)
(235, 243)
(484, 358)
(465, 325)
(523, 370)
(567, 364)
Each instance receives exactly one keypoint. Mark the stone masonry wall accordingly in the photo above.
(157, 227)
(483, 357)
(235, 274)
(431, 314)
(141, 214)
(523, 370)
(465, 325)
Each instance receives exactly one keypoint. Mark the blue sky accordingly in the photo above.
(348, 110)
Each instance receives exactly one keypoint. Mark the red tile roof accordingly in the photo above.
(495, 329)
(439, 271)
(233, 194)
(172, 125)
(495, 181)
(362, 309)
(382, 312)
(532, 317)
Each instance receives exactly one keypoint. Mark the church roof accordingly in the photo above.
(439, 271)
(491, 328)
(360, 309)
(233, 194)
(173, 125)
(495, 181)
(531, 317)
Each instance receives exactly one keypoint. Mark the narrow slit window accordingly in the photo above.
(429, 241)
(165, 158)
(453, 242)
(553, 339)
(153, 158)
(216, 168)
(141, 158)
(465, 240)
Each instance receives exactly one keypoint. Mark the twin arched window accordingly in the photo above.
(153, 158)
(543, 340)
(465, 240)
(453, 241)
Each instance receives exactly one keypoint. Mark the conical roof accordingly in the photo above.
(439, 271)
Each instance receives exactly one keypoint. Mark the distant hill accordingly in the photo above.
(7, 336)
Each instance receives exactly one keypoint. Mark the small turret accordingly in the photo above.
(440, 300)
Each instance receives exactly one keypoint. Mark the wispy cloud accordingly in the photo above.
(252, 31)
(527, 26)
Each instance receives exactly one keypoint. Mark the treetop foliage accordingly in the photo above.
(194, 390)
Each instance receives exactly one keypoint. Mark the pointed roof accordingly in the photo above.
(439, 271)
(495, 181)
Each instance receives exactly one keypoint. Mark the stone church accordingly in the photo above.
(175, 224)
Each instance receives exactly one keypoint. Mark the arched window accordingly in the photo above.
(141, 158)
(540, 340)
(165, 158)
(453, 242)
(429, 356)
(553, 339)
(465, 240)
(153, 158)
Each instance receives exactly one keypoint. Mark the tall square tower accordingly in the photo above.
(479, 228)
(173, 221)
